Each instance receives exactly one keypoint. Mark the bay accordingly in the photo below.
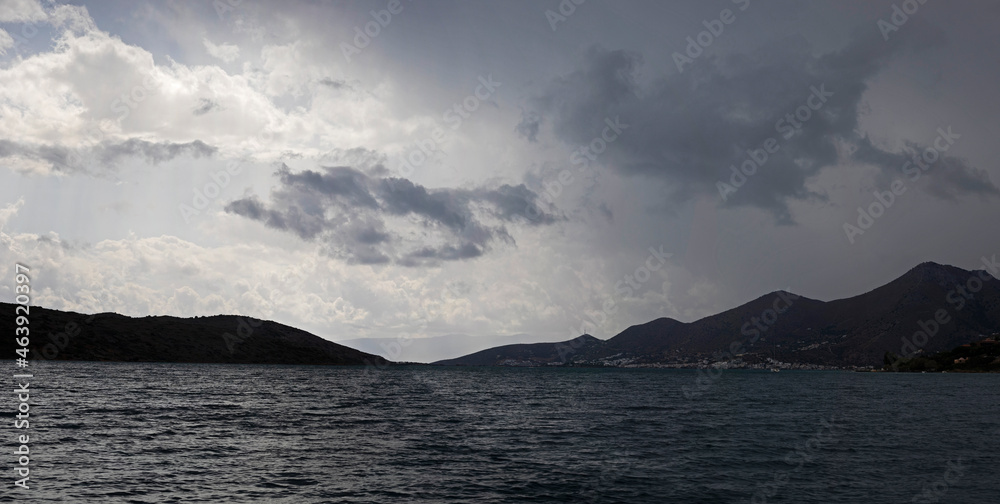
(145, 433)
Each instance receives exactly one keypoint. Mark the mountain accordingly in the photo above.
(59, 335)
(431, 348)
(528, 354)
(930, 308)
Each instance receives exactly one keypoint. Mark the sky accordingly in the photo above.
(539, 169)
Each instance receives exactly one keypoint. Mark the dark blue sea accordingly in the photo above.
(162, 433)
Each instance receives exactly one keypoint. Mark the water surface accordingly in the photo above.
(160, 433)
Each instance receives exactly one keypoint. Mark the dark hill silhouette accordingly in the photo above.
(60, 335)
(528, 353)
(855, 331)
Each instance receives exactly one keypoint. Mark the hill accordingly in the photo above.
(432, 348)
(59, 335)
(529, 354)
(930, 308)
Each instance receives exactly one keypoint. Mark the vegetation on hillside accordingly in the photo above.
(978, 357)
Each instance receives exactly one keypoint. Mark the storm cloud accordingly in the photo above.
(104, 156)
(694, 128)
(348, 210)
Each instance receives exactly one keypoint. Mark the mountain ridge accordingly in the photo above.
(782, 327)
(930, 308)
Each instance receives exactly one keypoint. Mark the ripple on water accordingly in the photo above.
(114, 432)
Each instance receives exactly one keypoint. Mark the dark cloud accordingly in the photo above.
(689, 128)
(347, 208)
(106, 155)
(335, 83)
(947, 177)
(956, 178)
(345, 186)
(430, 256)
(55, 241)
(606, 211)
(515, 203)
(445, 207)
(154, 152)
(205, 106)
(529, 126)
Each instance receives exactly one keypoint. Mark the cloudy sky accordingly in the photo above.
(427, 168)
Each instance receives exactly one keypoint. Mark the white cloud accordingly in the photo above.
(292, 283)
(6, 42)
(94, 87)
(9, 211)
(73, 17)
(21, 11)
(167, 275)
(224, 52)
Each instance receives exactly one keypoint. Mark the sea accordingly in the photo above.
(163, 433)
